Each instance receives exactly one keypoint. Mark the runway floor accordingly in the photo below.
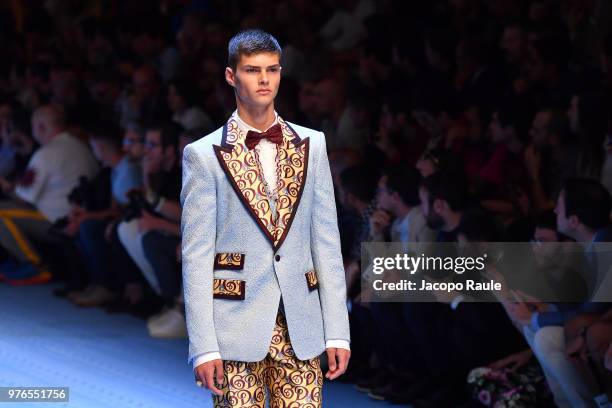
(106, 360)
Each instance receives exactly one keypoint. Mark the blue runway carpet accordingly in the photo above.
(106, 360)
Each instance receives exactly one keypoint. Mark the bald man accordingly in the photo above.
(40, 197)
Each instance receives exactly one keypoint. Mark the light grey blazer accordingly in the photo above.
(238, 260)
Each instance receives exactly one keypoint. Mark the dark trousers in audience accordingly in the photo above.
(452, 342)
(395, 346)
(483, 333)
(430, 325)
(160, 250)
(71, 267)
(20, 225)
(95, 249)
(124, 270)
(363, 335)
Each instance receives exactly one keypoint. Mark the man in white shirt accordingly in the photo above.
(261, 248)
(41, 196)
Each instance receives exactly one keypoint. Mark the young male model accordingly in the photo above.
(263, 276)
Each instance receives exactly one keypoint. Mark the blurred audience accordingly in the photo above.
(446, 121)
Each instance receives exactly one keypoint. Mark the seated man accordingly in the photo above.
(152, 237)
(162, 247)
(89, 221)
(41, 196)
(583, 209)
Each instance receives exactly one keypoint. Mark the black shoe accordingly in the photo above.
(147, 307)
(401, 392)
(445, 396)
(379, 379)
(63, 291)
(118, 306)
(354, 372)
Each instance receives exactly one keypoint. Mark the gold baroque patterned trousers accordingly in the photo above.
(289, 382)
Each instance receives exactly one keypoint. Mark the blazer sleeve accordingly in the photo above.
(198, 229)
(325, 248)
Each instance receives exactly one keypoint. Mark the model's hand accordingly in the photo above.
(337, 359)
(206, 373)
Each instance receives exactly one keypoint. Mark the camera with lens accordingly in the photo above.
(82, 195)
(136, 204)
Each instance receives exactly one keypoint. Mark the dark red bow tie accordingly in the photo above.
(274, 134)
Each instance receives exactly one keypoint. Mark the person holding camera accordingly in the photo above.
(151, 232)
(102, 201)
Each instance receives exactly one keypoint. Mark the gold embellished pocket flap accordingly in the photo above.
(229, 260)
(233, 289)
(311, 280)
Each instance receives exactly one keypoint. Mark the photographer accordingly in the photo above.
(97, 206)
(151, 234)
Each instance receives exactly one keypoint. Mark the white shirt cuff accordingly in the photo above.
(343, 344)
(202, 358)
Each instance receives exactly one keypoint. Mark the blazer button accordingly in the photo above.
(277, 257)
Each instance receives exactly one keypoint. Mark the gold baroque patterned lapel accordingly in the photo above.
(240, 165)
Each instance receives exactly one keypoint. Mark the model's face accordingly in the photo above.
(256, 79)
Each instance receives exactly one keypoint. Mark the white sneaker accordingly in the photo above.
(153, 320)
(172, 326)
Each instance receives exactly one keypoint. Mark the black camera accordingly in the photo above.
(136, 204)
(83, 195)
(57, 228)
